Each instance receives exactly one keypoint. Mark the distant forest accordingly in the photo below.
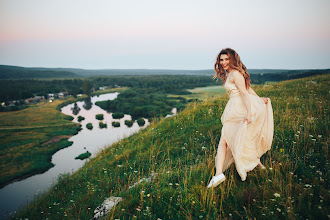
(16, 89)
(22, 89)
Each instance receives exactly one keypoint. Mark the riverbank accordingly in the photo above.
(26, 138)
(23, 137)
(180, 150)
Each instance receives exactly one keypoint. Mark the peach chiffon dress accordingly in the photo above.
(245, 143)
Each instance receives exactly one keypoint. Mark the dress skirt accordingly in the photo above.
(246, 143)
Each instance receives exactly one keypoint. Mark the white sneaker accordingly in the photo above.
(216, 180)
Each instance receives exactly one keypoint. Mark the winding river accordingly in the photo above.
(17, 194)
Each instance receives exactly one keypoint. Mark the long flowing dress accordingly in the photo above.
(245, 143)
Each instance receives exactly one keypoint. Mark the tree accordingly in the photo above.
(87, 87)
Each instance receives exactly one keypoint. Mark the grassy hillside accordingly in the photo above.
(181, 151)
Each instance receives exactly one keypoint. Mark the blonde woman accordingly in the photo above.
(247, 120)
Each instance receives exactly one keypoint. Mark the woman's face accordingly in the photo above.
(224, 62)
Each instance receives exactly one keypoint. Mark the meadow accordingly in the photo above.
(204, 93)
(180, 152)
(30, 137)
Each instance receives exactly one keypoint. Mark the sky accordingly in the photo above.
(164, 34)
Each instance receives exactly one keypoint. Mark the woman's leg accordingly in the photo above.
(220, 157)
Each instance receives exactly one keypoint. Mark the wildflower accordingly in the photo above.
(119, 165)
(137, 209)
(307, 185)
(277, 195)
(170, 184)
(319, 207)
(123, 210)
(177, 184)
(168, 172)
(148, 195)
(203, 148)
(270, 168)
(183, 148)
(319, 136)
(313, 139)
(279, 210)
(135, 171)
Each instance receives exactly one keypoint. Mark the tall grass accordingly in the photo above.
(181, 150)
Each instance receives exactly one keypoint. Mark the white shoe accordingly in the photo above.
(216, 180)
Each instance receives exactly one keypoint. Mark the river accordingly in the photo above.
(17, 194)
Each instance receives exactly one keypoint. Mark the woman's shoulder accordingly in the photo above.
(236, 74)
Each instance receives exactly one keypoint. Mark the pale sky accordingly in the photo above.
(164, 34)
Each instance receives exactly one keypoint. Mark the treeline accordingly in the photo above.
(165, 83)
(292, 74)
(12, 72)
(143, 102)
(22, 89)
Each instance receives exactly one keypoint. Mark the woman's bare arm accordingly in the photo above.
(240, 84)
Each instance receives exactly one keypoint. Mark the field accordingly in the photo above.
(30, 137)
(180, 151)
(203, 93)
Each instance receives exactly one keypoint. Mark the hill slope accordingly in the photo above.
(15, 72)
(181, 151)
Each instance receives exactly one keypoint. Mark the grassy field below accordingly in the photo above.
(203, 93)
(181, 151)
(24, 137)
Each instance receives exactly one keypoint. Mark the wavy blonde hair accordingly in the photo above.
(234, 63)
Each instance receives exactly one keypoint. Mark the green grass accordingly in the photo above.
(203, 93)
(24, 140)
(181, 151)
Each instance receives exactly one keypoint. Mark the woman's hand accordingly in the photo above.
(264, 99)
(247, 119)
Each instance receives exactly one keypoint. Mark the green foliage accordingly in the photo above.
(83, 156)
(181, 152)
(102, 125)
(115, 124)
(118, 115)
(89, 126)
(129, 123)
(99, 117)
(140, 121)
(140, 103)
(87, 87)
(80, 118)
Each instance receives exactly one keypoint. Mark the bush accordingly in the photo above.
(129, 123)
(140, 121)
(89, 126)
(118, 115)
(99, 116)
(80, 118)
(102, 125)
(116, 124)
(83, 156)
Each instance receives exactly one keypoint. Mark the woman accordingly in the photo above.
(248, 124)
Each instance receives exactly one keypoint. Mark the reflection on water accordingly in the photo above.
(17, 194)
